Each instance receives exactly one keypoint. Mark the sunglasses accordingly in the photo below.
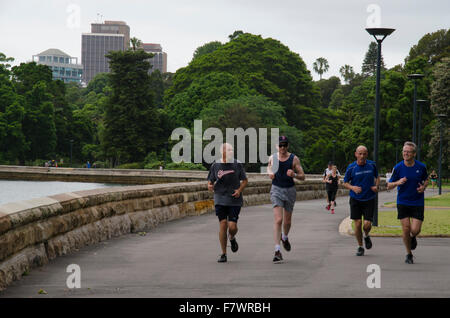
(282, 145)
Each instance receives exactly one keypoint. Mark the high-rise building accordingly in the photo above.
(110, 36)
(159, 60)
(113, 27)
(63, 66)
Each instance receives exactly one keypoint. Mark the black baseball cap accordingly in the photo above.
(283, 139)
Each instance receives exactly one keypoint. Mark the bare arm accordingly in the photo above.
(299, 173)
(377, 183)
(238, 192)
(269, 168)
(397, 183)
(355, 189)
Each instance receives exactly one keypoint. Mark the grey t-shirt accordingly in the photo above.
(227, 178)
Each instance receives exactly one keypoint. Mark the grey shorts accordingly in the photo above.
(283, 197)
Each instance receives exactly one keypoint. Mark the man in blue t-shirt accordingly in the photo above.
(361, 178)
(411, 179)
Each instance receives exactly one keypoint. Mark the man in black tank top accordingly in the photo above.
(283, 167)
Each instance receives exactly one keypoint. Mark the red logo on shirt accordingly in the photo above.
(221, 173)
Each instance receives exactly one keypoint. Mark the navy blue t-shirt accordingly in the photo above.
(407, 193)
(362, 176)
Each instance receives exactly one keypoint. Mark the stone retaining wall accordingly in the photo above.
(35, 231)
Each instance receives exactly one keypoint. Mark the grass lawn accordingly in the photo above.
(442, 200)
(437, 221)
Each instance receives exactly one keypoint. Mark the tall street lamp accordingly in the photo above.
(419, 129)
(441, 117)
(415, 77)
(379, 34)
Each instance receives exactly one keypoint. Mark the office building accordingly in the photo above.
(110, 36)
(63, 66)
(159, 60)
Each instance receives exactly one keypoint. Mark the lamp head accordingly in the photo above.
(415, 76)
(379, 33)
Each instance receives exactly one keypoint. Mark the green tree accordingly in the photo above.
(440, 104)
(131, 119)
(369, 66)
(263, 65)
(432, 46)
(187, 105)
(327, 87)
(347, 73)
(321, 66)
(207, 48)
(135, 43)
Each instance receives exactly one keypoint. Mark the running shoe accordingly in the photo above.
(234, 245)
(277, 258)
(286, 244)
(409, 259)
(413, 243)
(222, 258)
(328, 207)
(332, 211)
(360, 251)
(368, 242)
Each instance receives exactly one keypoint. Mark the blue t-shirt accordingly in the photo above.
(362, 176)
(415, 175)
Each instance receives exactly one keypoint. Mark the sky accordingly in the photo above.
(331, 29)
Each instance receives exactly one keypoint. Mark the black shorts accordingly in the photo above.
(409, 211)
(229, 212)
(331, 194)
(362, 208)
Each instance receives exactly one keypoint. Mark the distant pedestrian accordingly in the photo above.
(332, 186)
(361, 178)
(224, 179)
(283, 193)
(88, 165)
(326, 173)
(433, 178)
(411, 179)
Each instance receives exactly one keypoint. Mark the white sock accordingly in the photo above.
(284, 237)
(277, 248)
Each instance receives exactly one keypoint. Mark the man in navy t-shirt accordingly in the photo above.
(411, 179)
(361, 178)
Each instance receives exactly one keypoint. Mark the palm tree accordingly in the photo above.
(135, 43)
(321, 66)
(347, 73)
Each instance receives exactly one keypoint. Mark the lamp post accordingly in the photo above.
(379, 34)
(71, 144)
(441, 117)
(419, 129)
(396, 150)
(415, 77)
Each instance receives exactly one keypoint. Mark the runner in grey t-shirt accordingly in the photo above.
(224, 179)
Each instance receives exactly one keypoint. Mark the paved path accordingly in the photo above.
(178, 259)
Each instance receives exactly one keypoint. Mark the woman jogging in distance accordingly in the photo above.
(332, 184)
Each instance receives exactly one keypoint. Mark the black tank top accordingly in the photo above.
(281, 178)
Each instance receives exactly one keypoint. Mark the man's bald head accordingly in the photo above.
(227, 152)
(361, 154)
(362, 148)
